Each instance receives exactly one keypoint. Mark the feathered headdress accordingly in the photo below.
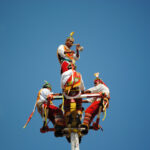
(47, 85)
(97, 77)
(71, 36)
(96, 74)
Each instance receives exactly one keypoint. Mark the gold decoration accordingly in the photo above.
(71, 34)
(96, 74)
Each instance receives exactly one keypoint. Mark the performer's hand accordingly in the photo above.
(69, 52)
(49, 97)
(78, 47)
(102, 95)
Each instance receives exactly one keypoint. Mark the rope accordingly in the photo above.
(62, 107)
(45, 112)
(104, 110)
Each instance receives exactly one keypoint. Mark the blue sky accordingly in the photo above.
(115, 36)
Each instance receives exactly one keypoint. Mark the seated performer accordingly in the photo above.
(48, 110)
(101, 88)
(72, 86)
(70, 79)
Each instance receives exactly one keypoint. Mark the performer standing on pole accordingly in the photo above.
(64, 53)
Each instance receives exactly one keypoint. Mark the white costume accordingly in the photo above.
(42, 95)
(62, 56)
(64, 78)
(99, 88)
(41, 99)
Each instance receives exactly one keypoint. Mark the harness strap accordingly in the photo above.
(45, 112)
(104, 110)
(62, 107)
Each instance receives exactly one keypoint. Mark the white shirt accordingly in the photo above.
(42, 95)
(99, 88)
(61, 52)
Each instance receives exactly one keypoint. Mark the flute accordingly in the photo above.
(80, 48)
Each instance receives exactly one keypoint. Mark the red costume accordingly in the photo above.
(93, 109)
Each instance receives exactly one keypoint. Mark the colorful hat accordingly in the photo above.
(71, 36)
(46, 85)
(97, 78)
